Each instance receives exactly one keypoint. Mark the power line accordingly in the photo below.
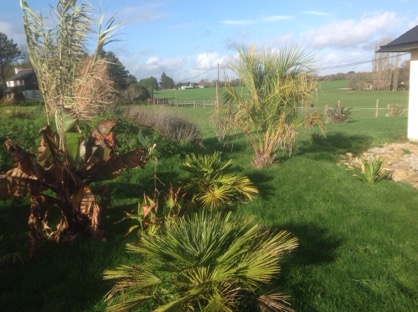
(225, 67)
(359, 63)
(206, 71)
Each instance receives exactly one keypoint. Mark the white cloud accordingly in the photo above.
(276, 18)
(332, 61)
(12, 32)
(349, 33)
(206, 60)
(146, 13)
(5, 28)
(238, 22)
(182, 68)
(413, 23)
(318, 13)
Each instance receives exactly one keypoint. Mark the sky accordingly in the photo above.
(188, 39)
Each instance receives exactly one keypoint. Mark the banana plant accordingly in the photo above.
(60, 179)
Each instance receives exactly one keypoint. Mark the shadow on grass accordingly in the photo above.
(329, 148)
(262, 180)
(316, 245)
(65, 277)
(229, 145)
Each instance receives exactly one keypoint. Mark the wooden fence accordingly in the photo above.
(183, 103)
(390, 109)
(377, 108)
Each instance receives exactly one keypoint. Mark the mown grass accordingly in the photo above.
(357, 242)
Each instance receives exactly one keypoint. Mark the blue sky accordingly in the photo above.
(187, 39)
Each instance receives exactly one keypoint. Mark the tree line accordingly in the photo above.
(126, 85)
(388, 73)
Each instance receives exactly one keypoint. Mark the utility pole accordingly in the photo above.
(217, 90)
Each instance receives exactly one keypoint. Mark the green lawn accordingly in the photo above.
(357, 242)
(329, 94)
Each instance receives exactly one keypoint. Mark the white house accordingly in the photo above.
(408, 42)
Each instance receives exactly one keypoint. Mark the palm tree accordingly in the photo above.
(266, 109)
(211, 185)
(208, 262)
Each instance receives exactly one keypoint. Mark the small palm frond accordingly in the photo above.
(136, 284)
(274, 302)
(211, 185)
(210, 262)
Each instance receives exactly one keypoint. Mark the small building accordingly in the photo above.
(408, 42)
(23, 85)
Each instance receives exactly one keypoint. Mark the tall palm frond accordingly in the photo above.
(277, 86)
(68, 76)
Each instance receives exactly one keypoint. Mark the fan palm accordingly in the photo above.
(208, 262)
(275, 85)
(211, 185)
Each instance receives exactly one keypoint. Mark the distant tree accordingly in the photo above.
(166, 82)
(24, 61)
(131, 79)
(386, 69)
(235, 82)
(143, 93)
(117, 72)
(404, 75)
(151, 84)
(205, 82)
(9, 53)
(135, 93)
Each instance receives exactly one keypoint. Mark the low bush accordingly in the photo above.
(338, 114)
(372, 170)
(212, 185)
(394, 110)
(172, 127)
(207, 262)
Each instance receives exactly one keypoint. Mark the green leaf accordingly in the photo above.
(69, 121)
(75, 148)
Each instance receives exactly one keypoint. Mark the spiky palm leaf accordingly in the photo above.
(265, 111)
(209, 262)
(212, 186)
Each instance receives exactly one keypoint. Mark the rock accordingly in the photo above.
(399, 175)
(399, 158)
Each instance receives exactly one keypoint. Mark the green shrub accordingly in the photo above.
(211, 185)
(151, 215)
(208, 262)
(172, 127)
(394, 110)
(7, 256)
(338, 114)
(372, 170)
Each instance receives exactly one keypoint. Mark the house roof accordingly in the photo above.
(22, 74)
(404, 43)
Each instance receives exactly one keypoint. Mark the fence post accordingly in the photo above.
(377, 108)
(194, 103)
